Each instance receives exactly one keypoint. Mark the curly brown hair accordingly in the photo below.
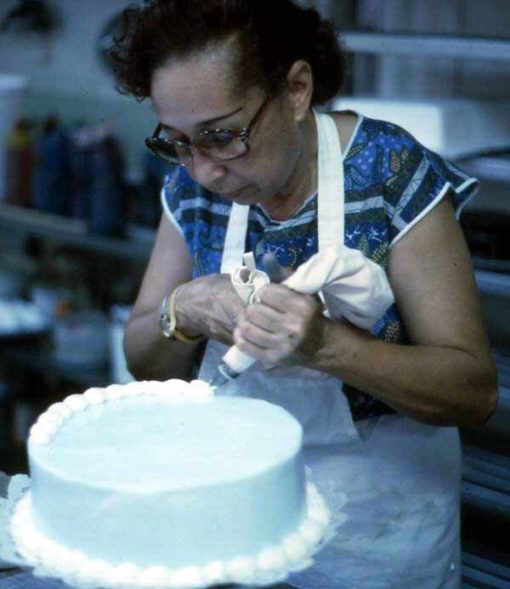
(271, 35)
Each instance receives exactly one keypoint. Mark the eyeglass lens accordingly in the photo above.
(217, 145)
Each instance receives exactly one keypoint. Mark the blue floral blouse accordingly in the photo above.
(391, 182)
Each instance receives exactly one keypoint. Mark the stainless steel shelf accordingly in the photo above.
(475, 561)
(485, 469)
(502, 266)
(493, 283)
(430, 45)
(474, 578)
(496, 168)
(486, 500)
(45, 362)
(72, 232)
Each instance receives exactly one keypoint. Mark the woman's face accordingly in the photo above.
(196, 93)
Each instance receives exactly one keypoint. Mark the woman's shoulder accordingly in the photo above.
(385, 159)
(347, 123)
(357, 129)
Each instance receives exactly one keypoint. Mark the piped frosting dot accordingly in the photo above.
(59, 410)
(115, 391)
(311, 531)
(241, 568)
(39, 435)
(214, 572)
(153, 577)
(95, 396)
(271, 559)
(187, 578)
(75, 402)
(294, 547)
(201, 388)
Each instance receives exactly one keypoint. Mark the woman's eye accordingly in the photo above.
(216, 139)
(169, 136)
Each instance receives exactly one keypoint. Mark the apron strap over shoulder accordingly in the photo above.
(330, 183)
(235, 238)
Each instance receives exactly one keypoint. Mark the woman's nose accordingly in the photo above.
(206, 171)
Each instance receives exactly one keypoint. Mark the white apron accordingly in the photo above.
(401, 477)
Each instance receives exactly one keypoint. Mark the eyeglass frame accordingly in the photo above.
(244, 134)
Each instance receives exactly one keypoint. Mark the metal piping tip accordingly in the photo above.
(223, 375)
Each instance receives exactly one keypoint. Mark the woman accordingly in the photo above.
(233, 83)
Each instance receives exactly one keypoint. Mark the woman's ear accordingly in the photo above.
(300, 86)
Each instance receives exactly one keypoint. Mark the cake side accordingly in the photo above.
(185, 528)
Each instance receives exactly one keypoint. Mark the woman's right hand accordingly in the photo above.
(210, 306)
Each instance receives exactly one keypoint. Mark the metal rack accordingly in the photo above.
(72, 232)
(480, 572)
(489, 167)
(429, 45)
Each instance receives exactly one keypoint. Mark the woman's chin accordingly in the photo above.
(244, 196)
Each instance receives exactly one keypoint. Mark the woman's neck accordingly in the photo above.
(302, 183)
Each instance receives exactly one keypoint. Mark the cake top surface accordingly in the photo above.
(178, 441)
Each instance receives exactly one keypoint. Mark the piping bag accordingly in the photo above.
(350, 286)
(247, 281)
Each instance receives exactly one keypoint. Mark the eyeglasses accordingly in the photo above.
(215, 144)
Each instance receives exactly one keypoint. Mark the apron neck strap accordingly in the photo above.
(235, 238)
(331, 184)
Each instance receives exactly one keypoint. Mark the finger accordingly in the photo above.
(262, 346)
(260, 337)
(283, 334)
(283, 299)
(263, 316)
(283, 327)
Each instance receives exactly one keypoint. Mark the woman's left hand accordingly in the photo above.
(281, 327)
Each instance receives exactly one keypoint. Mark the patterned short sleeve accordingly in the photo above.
(175, 186)
(416, 180)
(200, 216)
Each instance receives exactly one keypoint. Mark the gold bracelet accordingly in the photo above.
(168, 321)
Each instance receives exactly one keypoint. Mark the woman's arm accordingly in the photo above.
(447, 377)
(149, 354)
(208, 305)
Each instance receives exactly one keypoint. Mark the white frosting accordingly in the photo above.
(163, 485)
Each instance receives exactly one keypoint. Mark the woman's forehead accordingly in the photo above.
(194, 90)
(212, 69)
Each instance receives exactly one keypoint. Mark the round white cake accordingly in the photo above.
(167, 485)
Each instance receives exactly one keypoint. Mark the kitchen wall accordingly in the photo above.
(66, 76)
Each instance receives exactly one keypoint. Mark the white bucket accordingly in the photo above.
(12, 88)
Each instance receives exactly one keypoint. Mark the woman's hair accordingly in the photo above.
(271, 35)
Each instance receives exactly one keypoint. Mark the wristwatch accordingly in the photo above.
(168, 323)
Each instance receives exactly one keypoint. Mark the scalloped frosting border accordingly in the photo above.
(271, 565)
(49, 422)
